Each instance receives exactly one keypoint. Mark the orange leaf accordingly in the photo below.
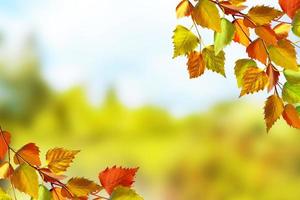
(117, 176)
(184, 9)
(230, 9)
(257, 51)
(254, 80)
(282, 30)
(6, 170)
(273, 75)
(196, 64)
(291, 116)
(29, 152)
(49, 176)
(242, 33)
(56, 194)
(267, 34)
(4, 141)
(59, 159)
(290, 7)
(273, 110)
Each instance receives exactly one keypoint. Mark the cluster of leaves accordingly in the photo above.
(270, 53)
(116, 181)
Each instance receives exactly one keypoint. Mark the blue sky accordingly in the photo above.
(127, 44)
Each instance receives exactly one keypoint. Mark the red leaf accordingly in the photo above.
(117, 176)
(290, 7)
(4, 140)
(30, 152)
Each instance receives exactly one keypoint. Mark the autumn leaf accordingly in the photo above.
(266, 34)
(237, 2)
(6, 170)
(256, 50)
(296, 24)
(231, 9)
(273, 75)
(123, 193)
(242, 33)
(241, 67)
(214, 62)
(293, 77)
(4, 141)
(223, 38)
(291, 116)
(285, 50)
(44, 193)
(59, 159)
(290, 7)
(81, 187)
(263, 15)
(196, 65)
(254, 80)
(117, 176)
(273, 110)
(56, 194)
(206, 14)
(25, 180)
(282, 30)
(29, 152)
(291, 93)
(49, 176)
(184, 41)
(184, 9)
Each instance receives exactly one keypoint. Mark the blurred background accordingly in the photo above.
(98, 76)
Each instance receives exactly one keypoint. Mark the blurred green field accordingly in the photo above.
(222, 153)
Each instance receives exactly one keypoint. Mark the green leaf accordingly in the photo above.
(124, 193)
(284, 55)
(292, 76)
(4, 196)
(296, 24)
(44, 193)
(298, 109)
(206, 14)
(241, 67)
(214, 62)
(184, 41)
(223, 38)
(291, 93)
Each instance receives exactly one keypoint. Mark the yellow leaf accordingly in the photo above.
(81, 187)
(196, 65)
(25, 180)
(254, 80)
(282, 30)
(284, 55)
(184, 41)
(273, 110)
(124, 193)
(241, 67)
(6, 170)
(59, 159)
(206, 14)
(242, 32)
(262, 15)
(4, 196)
(214, 62)
(184, 9)
(257, 51)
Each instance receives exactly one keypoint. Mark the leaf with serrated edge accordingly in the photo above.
(254, 80)
(29, 152)
(282, 30)
(59, 159)
(262, 15)
(184, 40)
(273, 110)
(214, 62)
(184, 9)
(241, 67)
(81, 187)
(25, 179)
(196, 65)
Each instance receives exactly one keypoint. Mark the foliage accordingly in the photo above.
(270, 46)
(116, 181)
